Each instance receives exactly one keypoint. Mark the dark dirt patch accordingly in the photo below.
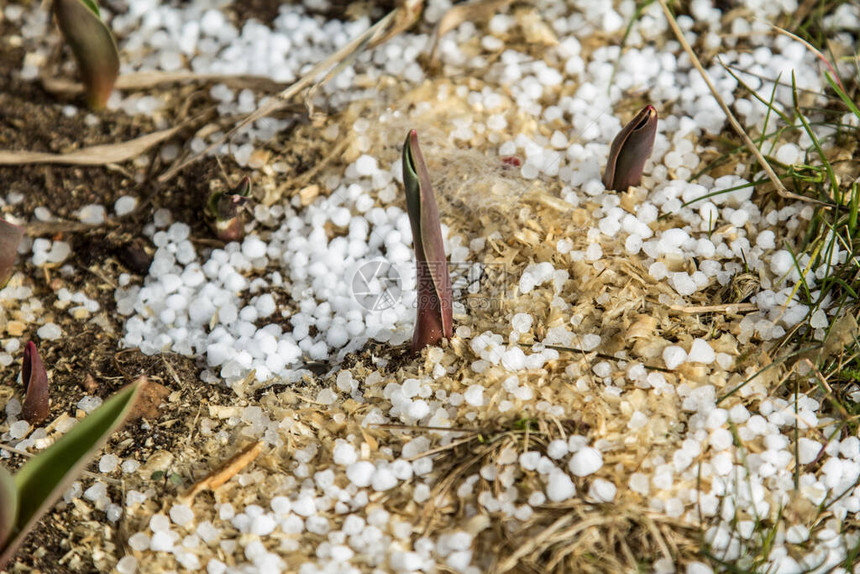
(266, 11)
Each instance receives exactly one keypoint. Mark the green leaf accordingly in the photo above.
(93, 6)
(45, 476)
(849, 103)
(8, 505)
(93, 46)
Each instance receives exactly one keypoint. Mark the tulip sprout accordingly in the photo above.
(225, 211)
(36, 406)
(27, 495)
(435, 309)
(93, 46)
(630, 150)
(10, 237)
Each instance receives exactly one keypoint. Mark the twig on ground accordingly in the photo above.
(301, 181)
(762, 161)
(150, 79)
(350, 50)
(812, 49)
(456, 15)
(93, 155)
(224, 473)
(724, 308)
(43, 228)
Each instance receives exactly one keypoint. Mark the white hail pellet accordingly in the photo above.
(673, 356)
(586, 461)
(559, 486)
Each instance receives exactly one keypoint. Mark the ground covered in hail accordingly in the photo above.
(637, 380)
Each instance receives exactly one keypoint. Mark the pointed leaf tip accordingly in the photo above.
(92, 6)
(36, 407)
(243, 188)
(630, 150)
(29, 350)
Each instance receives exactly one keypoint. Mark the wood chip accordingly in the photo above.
(224, 472)
(308, 194)
(15, 328)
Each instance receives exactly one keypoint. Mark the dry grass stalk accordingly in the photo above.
(93, 155)
(146, 80)
(750, 145)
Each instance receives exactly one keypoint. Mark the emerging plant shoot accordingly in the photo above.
(93, 46)
(435, 311)
(630, 150)
(226, 211)
(36, 406)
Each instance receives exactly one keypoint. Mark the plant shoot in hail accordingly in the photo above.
(93, 46)
(630, 150)
(435, 310)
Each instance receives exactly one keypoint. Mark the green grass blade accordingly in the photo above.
(770, 109)
(637, 13)
(849, 103)
(834, 183)
(754, 94)
(724, 191)
(780, 360)
(803, 271)
(45, 476)
(8, 505)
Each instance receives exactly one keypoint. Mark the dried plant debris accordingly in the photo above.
(654, 370)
